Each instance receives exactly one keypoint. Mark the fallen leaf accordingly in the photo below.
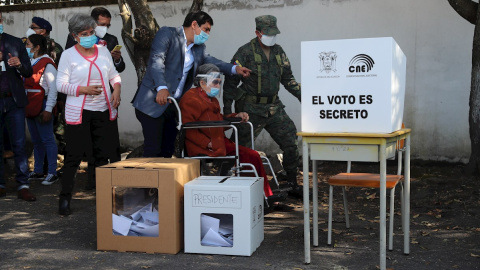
(474, 255)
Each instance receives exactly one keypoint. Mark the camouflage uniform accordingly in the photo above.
(260, 100)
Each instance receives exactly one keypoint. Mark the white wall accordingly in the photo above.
(436, 41)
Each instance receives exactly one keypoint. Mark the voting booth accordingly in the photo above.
(352, 85)
(224, 215)
(140, 204)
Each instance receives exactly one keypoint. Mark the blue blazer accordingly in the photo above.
(165, 67)
(15, 47)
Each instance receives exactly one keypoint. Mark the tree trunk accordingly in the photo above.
(474, 114)
(470, 11)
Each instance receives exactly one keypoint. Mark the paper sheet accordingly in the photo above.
(207, 223)
(121, 224)
(214, 239)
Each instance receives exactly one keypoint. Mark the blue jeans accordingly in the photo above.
(43, 144)
(13, 118)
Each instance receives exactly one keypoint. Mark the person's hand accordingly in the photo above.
(13, 61)
(116, 55)
(91, 90)
(45, 116)
(115, 101)
(162, 96)
(245, 72)
(244, 116)
(1, 56)
(209, 147)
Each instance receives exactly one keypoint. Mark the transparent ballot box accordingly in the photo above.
(135, 211)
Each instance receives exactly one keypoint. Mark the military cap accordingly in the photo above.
(42, 23)
(267, 24)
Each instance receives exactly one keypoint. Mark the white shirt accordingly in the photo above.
(187, 65)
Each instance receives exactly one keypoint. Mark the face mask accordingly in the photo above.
(100, 31)
(30, 54)
(213, 92)
(200, 39)
(1, 28)
(30, 32)
(269, 40)
(88, 42)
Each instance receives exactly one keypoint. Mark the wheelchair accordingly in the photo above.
(224, 165)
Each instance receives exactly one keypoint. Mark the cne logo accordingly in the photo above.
(361, 63)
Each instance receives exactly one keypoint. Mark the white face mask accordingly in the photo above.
(30, 32)
(269, 40)
(100, 31)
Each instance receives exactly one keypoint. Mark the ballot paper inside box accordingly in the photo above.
(224, 215)
(140, 204)
(135, 212)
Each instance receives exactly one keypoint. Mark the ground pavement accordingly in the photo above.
(445, 231)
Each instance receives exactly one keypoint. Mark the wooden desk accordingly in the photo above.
(370, 147)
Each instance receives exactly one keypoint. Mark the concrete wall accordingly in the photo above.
(436, 41)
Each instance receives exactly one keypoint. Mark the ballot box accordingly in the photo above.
(140, 204)
(224, 215)
(352, 85)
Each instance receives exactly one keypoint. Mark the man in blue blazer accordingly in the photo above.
(174, 58)
(14, 63)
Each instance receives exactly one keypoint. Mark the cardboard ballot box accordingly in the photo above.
(224, 215)
(352, 85)
(140, 204)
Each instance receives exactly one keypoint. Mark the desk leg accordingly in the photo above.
(315, 203)
(383, 205)
(406, 200)
(306, 203)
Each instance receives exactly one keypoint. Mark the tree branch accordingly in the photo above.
(467, 9)
(196, 5)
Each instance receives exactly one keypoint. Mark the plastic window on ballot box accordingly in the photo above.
(216, 230)
(135, 211)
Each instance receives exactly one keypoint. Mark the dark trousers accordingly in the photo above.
(113, 156)
(93, 137)
(13, 118)
(159, 133)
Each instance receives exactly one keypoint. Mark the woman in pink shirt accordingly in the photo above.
(84, 74)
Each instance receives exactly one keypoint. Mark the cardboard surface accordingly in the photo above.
(168, 176)
(240, 197)
(352, 85)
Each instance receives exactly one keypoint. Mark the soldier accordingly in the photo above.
(258, 94)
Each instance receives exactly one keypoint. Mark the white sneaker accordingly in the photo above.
(49, 179)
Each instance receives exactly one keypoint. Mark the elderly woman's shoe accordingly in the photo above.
(64, 205)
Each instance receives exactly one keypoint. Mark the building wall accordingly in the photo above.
(436, 41)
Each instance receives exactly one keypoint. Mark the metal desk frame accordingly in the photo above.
(359, 140)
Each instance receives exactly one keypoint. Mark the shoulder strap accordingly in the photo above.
(258, 61)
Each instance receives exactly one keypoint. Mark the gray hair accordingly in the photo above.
(80, 22)
(204, 69)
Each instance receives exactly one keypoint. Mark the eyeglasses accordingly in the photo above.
(216, 82)
(86, 34)
(35, 27)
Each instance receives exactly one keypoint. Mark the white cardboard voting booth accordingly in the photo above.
(223, 215)
(352, 85)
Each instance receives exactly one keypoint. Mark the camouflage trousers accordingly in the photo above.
(282, 130)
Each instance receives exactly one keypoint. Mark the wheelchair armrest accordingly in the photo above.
(233, 119)
(206, 123)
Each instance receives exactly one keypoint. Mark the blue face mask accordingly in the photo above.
(88, 42)
(1, 28)
(30, 54)
(200, 39)
(213, 92)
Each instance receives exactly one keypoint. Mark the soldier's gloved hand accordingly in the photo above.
(244, 116)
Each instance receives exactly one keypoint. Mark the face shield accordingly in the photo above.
(213, 80)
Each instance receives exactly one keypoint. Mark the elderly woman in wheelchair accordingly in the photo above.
(200, 104)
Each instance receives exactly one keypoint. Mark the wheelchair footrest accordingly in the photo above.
(282, 190)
